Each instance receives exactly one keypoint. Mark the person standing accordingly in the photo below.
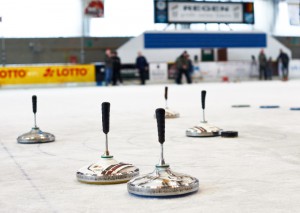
(262, 59)
(182, 65)
(108, 67)
(284, 59)
(253, 67)
(191, 66)
(142, 65)
(116, 68)
(269, 69)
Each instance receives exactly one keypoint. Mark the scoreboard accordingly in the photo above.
(203, 12)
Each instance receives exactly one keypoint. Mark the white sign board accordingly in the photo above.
(218, 70)
(294, 69)
(294, 13)
(158, 72)
(205, 12)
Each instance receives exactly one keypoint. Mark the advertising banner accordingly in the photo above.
(158, 72)
(95, 9)
(47, 74)
(205, 12)
(294, 12)
(294, 69)
(232, 70)
(217, 70)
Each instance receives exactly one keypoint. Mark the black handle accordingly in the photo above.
(166, 93)
(160, 118)
(105, 116)
(34, 101)
(203, 94)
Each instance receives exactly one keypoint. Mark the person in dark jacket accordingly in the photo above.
(116, 68)
(182, 65)
(269, 69)
(284, 59)
(191, 66)
(262, 59)
(142, 65)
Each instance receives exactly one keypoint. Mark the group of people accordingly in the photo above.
(113, 75)
(266, 65)
(184, 66)
(113, 68)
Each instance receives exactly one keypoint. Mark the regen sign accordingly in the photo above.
(203, 12)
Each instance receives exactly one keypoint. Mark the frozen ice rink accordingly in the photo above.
(257, 172)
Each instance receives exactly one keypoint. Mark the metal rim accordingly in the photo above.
(163, 182)
(164, 192)
(107, 171)
(36, 136)
(106, 179)
(204, 134)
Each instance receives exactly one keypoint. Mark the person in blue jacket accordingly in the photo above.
(142, 65)
(284, 59)
(108, 67)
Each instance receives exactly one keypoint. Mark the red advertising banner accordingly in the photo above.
(95, 8)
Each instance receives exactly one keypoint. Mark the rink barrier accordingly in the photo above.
(13, 75)
(158, 72)
(210, 71)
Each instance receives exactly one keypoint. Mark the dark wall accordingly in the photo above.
(55, 50)
(64, 50)
(293, 43)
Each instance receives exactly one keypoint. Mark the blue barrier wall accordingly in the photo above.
(205, 40)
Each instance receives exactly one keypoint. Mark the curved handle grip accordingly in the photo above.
(203, 94)
(105, 116)
(166, 93)
(160, 118)
(34, 101)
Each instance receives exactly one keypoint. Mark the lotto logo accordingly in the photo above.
(65, 72)
(12, 73)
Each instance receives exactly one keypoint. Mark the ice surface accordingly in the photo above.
(257, 172)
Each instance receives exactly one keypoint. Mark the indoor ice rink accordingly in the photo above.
(244, 151)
